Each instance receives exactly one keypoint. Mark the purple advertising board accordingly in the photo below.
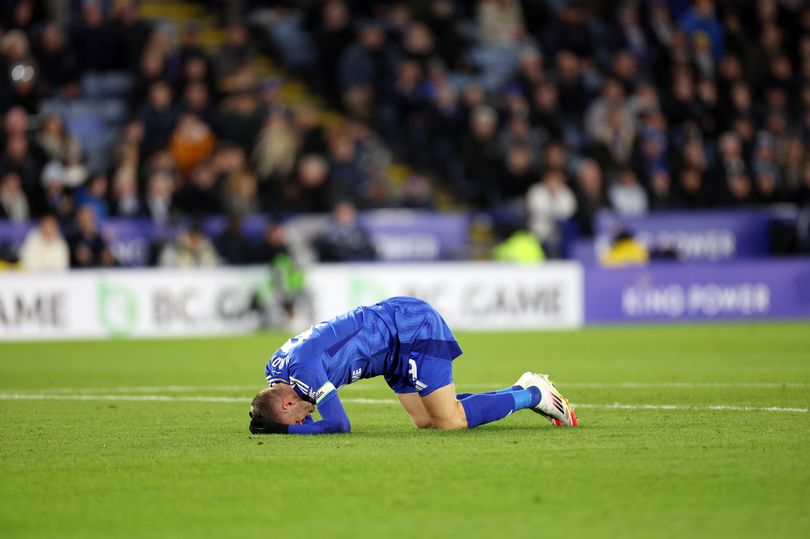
(698, 291)
(711, 236)
(405, 235)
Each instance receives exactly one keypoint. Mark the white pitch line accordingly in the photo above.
(607, 406)
(352, 388)
(686, 385)
(154, 398)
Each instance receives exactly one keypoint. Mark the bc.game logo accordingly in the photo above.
(117, 309)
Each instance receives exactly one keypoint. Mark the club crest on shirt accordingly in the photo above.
(356, 374)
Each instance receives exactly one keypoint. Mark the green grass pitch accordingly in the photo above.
(149, 439)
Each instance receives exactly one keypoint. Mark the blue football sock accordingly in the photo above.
(484, 408)
(460, 396)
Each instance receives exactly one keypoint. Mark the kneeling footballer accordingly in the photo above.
(406, 341)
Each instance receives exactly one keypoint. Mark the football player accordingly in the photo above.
(406, 341)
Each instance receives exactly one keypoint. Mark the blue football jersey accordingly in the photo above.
(378, 340)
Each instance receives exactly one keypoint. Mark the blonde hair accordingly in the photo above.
(267, 404)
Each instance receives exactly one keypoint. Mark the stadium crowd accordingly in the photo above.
(545, 110)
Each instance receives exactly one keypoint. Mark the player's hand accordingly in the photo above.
(260, 425)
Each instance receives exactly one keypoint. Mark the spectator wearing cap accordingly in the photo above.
(44, 248)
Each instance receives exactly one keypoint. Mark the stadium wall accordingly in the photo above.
(131, 303)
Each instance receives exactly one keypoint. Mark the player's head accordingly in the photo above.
(281, 404)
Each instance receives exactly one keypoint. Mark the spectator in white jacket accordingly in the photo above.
(549, 202)
(44, 248)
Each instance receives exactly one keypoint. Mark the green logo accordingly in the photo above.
(117, 309)
(363, 291)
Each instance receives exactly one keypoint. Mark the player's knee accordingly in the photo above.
(423, 423)
(451, 424)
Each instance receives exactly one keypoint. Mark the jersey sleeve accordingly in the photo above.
(334, 419)
(311, 383)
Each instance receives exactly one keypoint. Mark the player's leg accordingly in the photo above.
(412, 403)
(435, 384)
(445, 412)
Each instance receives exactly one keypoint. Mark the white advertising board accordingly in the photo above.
(470, 296)
(186, 303)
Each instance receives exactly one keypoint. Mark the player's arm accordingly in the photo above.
(334, 419)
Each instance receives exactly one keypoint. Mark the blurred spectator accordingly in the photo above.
(158, 197)
(521, 171)
(625, 251)
(158, 118)
(660, 189)
(191, 249)
(52, 139)
(125, 201)
(270, 244)
(199, 196)
(590, 195)
(235, 52)
(311, 190)
(240, 194)
(363, 68)
(276, 151)
(500, 22)
(520, 246)
(98, 47)
(241, 118)
(93, 195)
(18, 159)
(626, 195)
(231, 243)
(13, 203)
(57, 60)
(332, 38)
(701, 20)
(481, 153)
(44, 248)
(548, 203)
(191, 142)
(133, 31)
(88, 249)
(345, 240)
